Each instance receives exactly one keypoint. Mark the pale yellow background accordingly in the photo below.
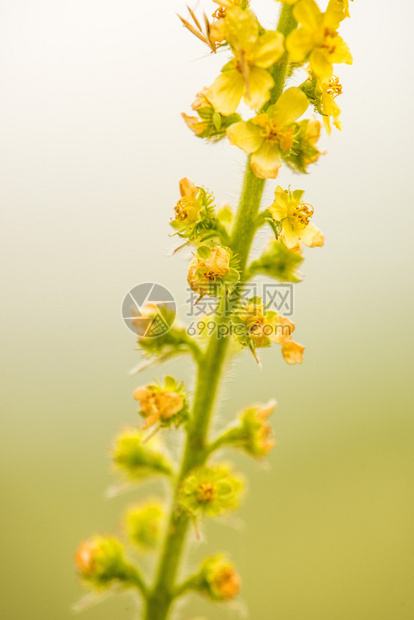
(92, 146)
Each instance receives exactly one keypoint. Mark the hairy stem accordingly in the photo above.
(196, 451)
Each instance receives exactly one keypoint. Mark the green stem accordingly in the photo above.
(196, 452)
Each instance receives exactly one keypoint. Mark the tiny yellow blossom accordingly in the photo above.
(295, 216)
(187, 207)
(204, 274)
(157, 404)
(269, 135)
(246, 74)
(330, 88)
(317, 37)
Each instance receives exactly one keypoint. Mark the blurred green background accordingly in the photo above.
(92, 148)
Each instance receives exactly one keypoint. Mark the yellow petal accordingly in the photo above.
(194, 123)
(334, 14)
(320, 63)
(140, 394)
(242, 29)
(268, 49)
(298, 44)
(290, 235)
(290, 106)
(279, 209)
(342, 52)
(260, 83)
(187, 188)
(327, 123)
(307, 13)
(284, 329)
(312, 236)
(293, 352)
(226, 91)
(330, 107)
(265, 162)
(246, 136)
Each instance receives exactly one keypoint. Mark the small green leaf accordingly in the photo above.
(203, 251)
(217, 120)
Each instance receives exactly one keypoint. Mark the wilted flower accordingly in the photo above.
(210, 268)
(257, 327)
(163, 405)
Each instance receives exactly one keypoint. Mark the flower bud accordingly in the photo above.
(210, 491)
(143, 524)
(278, 262)
(254, 434)
(305, 151)
(137, 460)
(219, 579)
(101, 562)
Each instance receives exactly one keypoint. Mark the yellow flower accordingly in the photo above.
(246, 74)
(330, 88)
(269, 135)
(317, 38)
(187, 207)
(295, 216)
(205, 273)
(157, 404)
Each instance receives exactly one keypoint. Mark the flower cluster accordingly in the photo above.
(254, 105)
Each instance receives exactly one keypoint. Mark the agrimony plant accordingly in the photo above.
(306, 42)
